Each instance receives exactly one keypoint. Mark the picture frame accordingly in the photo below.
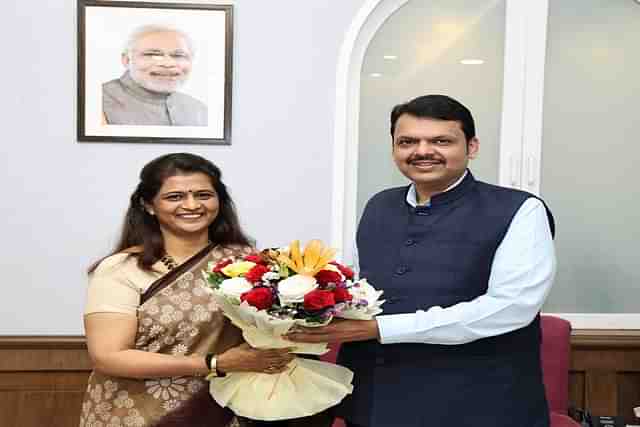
(151, 72)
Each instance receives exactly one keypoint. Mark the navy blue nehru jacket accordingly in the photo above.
(441, 255)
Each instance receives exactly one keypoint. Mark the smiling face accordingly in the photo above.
(432, 153)
(159, 61)
(185, 206)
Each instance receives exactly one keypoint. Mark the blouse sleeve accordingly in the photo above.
(111, 289)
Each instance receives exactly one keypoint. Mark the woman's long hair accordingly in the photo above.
(142, 229)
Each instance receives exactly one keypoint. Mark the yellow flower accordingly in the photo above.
(312, 259)
(238, 268)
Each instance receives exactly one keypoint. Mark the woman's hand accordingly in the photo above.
(248, 359)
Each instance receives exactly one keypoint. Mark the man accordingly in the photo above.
(465, 267)
(158, 62)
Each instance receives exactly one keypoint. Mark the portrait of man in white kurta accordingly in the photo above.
(157, 61)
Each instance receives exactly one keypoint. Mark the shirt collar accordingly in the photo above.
(412, 197)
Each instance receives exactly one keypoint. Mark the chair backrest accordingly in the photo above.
(556, 350)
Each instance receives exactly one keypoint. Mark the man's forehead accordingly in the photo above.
(162, 39)
(409, 124)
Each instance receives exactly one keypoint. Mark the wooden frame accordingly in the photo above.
(154, 72)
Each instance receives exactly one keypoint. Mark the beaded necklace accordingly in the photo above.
(169, 262)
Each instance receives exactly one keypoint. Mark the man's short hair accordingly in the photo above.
(439, 107)
(143, 30)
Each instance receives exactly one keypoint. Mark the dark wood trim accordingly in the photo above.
(580, 339)
(44, 342)
(30, 354)
(605, 338)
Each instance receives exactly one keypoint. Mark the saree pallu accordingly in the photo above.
(176, 316)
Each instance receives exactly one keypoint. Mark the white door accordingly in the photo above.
(591, 152)
(554, 101)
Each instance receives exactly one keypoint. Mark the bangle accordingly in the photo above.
(212, 363)
(207, 360)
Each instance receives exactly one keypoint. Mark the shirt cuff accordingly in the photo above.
(394, 328)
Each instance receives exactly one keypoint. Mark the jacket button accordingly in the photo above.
(402, 269)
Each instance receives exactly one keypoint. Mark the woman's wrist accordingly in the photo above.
(200, 367)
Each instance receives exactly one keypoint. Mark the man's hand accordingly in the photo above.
(339, 330)
(245, 358)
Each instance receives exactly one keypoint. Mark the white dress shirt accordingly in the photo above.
(522, 272)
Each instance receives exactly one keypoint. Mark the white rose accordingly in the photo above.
(235, 287)
(362, 290)
(270, 275)
(294, 288)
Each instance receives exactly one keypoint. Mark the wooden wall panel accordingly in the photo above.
(577, 389)
(605, 372)
(42, 380)
(601, 392)
(628, 394)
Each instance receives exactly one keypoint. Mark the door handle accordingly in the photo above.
(514, 170)
(531, 172)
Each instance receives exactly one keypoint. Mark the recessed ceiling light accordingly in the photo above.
(392, 57)
(375, 75)
(472, 62)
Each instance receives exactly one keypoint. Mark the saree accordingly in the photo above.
(177, 316)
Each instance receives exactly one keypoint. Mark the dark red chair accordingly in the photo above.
(556, 348)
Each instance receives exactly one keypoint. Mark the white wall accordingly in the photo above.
(63, 201)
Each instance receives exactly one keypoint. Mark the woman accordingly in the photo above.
(153, 331)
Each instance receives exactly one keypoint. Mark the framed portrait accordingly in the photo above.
(154, 72)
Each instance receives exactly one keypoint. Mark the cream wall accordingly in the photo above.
(63, 201)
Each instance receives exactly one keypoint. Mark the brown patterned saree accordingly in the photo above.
(176, 316)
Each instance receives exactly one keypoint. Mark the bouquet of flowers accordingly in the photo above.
(265, 295)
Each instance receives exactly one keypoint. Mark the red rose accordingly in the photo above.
(261, 298)
(342, 294)
(255, 274)
(324, 277)
(318, 299)
(222, 264)
(254, 258)
(346, 271)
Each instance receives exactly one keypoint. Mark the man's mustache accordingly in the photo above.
(428, 157)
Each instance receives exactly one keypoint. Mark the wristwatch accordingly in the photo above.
(212, 362)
